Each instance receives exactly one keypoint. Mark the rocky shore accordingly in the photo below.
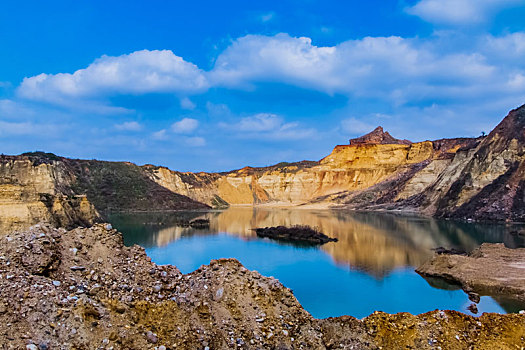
(491, 269)
(83, 289)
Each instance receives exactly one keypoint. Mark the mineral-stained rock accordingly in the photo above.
(220, 306)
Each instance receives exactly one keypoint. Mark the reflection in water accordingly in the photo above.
(375, 243)
(370, 268)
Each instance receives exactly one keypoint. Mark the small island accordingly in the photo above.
(300, 233)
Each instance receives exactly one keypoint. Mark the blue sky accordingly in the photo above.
(215, 86)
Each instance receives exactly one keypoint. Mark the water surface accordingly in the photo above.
(370, 268)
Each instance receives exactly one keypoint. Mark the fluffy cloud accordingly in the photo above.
(129, 126)
(268, 126)
(186, 103)
(509, 48)
(392, 69)
(185, 125)
(27, 128)
(459, 11)
(140, 72)
(354, 126)
(260, 122)
(196, 141)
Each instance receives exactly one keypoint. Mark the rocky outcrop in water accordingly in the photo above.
(83, 289)
(490, 269)
(300, 234)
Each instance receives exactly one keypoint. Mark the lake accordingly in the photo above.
(370, 268)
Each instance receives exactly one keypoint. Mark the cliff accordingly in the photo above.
(42, 187)
(470, 178)
(491, 184)
(334, 180)
(31, 191)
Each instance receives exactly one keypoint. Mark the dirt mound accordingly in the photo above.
(82, 289)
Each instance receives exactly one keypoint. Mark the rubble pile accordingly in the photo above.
(83, 289)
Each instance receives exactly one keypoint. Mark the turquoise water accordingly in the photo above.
(370, 268)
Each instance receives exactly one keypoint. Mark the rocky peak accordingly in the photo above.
(512, 126)
(378, 137)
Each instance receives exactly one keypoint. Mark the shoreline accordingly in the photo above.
(399, 212)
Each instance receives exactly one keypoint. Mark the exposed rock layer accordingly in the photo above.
(32, 192)
(83, 289)
(481, 178)
(40, 187)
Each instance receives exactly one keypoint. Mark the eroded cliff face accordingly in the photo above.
(34, 192)
(347, 171)
(40, 187)
(491, 184)
(478, 178)
(469, 178)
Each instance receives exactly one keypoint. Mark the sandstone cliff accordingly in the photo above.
(41, 187)
(341, 178)
(31, 192)
(470, 178)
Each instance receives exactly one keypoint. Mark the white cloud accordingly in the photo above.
(28, 128)
(160, 135)
(392, 69)
(459, 12)
(139, 72)
(260, 122)
(268, 126)
(185, 126)
(129, 126)
(505, 49)
(196, 141)
(186, 103)
(267, 17)
(353, 126)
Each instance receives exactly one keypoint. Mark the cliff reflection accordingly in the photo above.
(373, 242)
